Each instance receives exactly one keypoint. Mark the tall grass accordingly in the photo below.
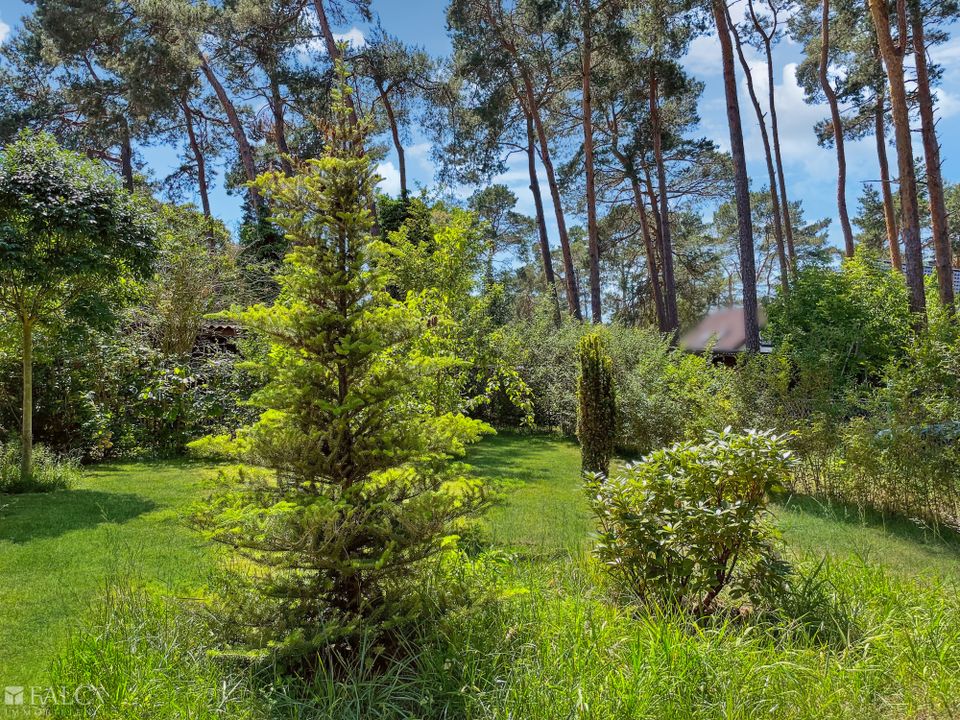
(50, 471)
(542, 642)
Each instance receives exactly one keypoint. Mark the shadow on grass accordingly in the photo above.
(45, 515)
(902, 527)
(173, 462)
(517, 456)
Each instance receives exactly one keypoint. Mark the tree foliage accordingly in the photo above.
(355, 486)
(70, 237)
(597, 405)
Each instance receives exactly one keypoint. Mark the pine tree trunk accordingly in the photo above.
(931, 149)
(333, 52)
(569, 272)
(593, 234)
(527, 98)
(395, 134)
(198, 157)
(666, 242)
(768, 155)
(778, 157)
(236, 127)
(26, 428)
(545, 256)
(892, 55)
(889, 211)
(748, 276)
(653, 271)
(126, 157)
(837, 122)
(279, 125)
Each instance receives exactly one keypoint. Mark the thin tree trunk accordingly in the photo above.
(395, 133)
(570, 276)
(837, 122)
(666, 242)
(650, 249)
(530, 106)
(279, 125)
(236, 127)
(651, 252)
(333, 51)
(778, 157)
(545, 256)
(658, 231)
(931, 150)
(889, 211)
(768, 155)
(198, 156)
(593, 234)
(748, 276)
(26, 428)
(892, 54)
(126, 157)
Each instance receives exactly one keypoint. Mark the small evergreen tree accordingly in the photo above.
(354, 486)
(597, 405)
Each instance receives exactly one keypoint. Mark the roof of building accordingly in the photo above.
(725, 328)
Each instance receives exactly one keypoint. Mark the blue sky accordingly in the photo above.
(811, 170)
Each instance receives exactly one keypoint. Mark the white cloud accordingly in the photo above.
(703, 57)
(4, 31)
(353, 37)
(948, 57)
(389, 178)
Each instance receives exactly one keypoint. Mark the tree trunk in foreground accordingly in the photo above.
(198, 157)
(666, 241)
(397, 143)
(26, 428)
(768, 155)
(593, 234)
(570, 276)
(236, 127)
(653, 271)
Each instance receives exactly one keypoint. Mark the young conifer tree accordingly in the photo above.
(597, 405)
(353, 485)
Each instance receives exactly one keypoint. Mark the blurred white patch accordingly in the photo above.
(4, 31)
(352, 37)
(389, 178)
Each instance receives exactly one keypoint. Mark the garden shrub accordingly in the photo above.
(903, 454)
(50, 471)
(597, 410)
(669, 395)
(841, 329)
(664, 395)
(689, 521)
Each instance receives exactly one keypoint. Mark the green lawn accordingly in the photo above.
(58, 553)
(59, 550)
(545, 514)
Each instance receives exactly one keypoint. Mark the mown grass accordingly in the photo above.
(59, 551)
(871, 629)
